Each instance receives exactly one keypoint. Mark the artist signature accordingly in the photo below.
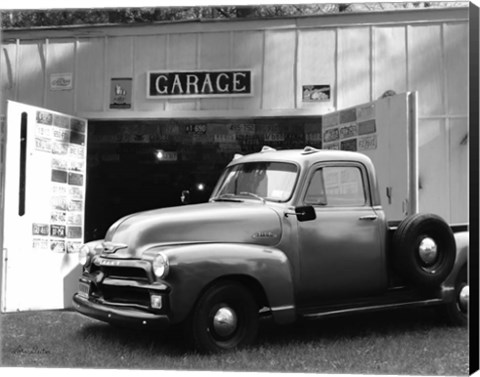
(35, 350)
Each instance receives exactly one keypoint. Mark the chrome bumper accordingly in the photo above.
(120, 315)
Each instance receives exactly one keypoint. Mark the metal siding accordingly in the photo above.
(214, 54)
(353, 66)
(389, 60)
(31, 73)
(456, 60)
(247, 52)
(90, 84)
(278, 86)
(150, 55)
(182, 54)
(60, 59)
(317, 65)
(425, 67)
(7, 74)
(433, 167)
(458, 144)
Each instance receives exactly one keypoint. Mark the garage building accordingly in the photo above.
(169, 104)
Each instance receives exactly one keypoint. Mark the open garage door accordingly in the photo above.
(43, 216)
(386, 131)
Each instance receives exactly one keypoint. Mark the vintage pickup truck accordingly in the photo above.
(289, 234)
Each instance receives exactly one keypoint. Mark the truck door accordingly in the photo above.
(341, 252)
(43, 199)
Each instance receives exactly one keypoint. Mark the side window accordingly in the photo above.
(336, 186)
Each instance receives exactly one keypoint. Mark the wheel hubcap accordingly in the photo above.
(225, 321)
(428, 251)
(463, 298)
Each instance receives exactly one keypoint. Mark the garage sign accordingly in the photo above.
(223, 83)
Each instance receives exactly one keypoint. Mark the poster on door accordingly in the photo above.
(44, 210)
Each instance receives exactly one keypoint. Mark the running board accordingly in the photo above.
(370, 308)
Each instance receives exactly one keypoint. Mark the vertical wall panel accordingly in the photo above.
(247, 54)
(90, 74)
(119, 62)
(31, 73)
(425, 67)
(456, 60)
(7, 74)
(119, 57)
(433, 169)
(60, 59)
(278, 84)
(182, 54)
(214, 54)
(353, 66)
(458, 140)
(150, 55)
(389, 60)
(317, 65)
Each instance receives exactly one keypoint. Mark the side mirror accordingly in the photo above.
(306, 213)
(185, 197)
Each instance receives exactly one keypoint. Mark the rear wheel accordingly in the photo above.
(225, 317)
(456, 311)
(424, 250)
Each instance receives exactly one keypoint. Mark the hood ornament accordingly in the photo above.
(111, 248)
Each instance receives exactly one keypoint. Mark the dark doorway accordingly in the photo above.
(139, 165)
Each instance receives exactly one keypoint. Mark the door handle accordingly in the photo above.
(369, 217)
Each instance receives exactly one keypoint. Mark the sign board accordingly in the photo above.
(44, 207)
(61, 81)
(180, 84)
(121, 93)
(316, 93)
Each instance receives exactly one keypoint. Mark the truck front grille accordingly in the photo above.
(122, 272)
(126, 295)
(125, 272)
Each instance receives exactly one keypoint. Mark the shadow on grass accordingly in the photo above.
(385, 323)
(173, 341)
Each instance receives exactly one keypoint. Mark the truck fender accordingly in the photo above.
(462, 243)
(195, 267)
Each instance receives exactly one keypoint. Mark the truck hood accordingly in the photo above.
(243, 222)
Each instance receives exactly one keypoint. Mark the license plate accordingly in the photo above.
(84, 289)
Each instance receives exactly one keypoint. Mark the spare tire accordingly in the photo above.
(424, 250)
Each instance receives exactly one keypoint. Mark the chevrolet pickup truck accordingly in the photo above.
(288, 234)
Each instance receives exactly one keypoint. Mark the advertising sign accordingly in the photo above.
(61, 81)
(44, 207)
(121, 93)
(316, 93)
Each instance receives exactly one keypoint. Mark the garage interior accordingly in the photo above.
(138, 165)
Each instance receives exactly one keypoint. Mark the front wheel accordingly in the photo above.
(225, 317)
(456, 312)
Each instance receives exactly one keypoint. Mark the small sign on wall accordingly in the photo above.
(121, 93)
(316, 93)
(61, 81)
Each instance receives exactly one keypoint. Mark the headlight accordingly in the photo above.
(84, 255)
(160, 265)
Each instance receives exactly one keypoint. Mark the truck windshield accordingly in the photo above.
(272, 181)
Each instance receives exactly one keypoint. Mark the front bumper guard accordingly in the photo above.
(120, 315)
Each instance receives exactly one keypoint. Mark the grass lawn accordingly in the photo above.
(414, 342)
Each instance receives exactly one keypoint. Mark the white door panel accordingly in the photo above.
(42, 228)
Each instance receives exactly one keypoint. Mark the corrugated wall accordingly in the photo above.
(360, 62)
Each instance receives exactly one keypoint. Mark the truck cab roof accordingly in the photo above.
(305, 157)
